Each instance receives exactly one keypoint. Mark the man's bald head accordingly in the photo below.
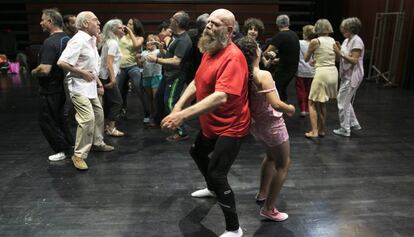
(226, 16)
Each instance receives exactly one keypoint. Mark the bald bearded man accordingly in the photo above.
(220, 87)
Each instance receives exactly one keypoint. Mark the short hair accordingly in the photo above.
(351, 24)
(81, 18)
(183, 19)
(323, 26)
(308, 32)
(54, 16)
(201, 21)
(253, 22)
(282, 21)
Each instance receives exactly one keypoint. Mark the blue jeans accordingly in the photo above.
(133, 74)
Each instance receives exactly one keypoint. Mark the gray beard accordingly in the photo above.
(212, 44)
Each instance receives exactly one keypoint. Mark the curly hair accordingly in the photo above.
(253, 22)
(249, 48)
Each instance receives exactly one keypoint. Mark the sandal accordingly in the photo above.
(311, 135)
(176, 138)
(113, 132)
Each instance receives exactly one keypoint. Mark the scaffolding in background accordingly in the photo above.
(377, 68)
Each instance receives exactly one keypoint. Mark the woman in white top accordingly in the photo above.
(305, 72)
(351, 72)
(109, 68)
(325, 82)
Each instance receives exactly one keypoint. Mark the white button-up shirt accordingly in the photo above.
(81, 53)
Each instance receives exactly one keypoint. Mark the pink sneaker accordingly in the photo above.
(274, 215)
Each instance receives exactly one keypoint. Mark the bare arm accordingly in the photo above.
(42, 70)
(208, 104)
(174, 61)
(137, 41)
(314, 44)
(109, 64)
(265, 80)
(353, 57)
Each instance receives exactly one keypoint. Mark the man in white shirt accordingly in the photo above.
(80, 60)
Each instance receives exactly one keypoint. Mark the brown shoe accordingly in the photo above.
(79, 163)
(104, 147)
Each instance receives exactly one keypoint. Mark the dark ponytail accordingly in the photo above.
(249, 48)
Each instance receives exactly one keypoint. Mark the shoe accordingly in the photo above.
(274, 215)
(104, 147)
(146, 120)
(311, 135)
(79, 163)
(57, 156)
(342, 132)
(303, 114)
(176, 138)
(236, 233)
(203, 193)
(356, 127)
(113, 132)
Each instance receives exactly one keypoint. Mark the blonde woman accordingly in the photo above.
(305, 73)
(325, 82)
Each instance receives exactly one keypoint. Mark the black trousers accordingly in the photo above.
(112, 102)
(283, 76)
(53, 123)
(168, 93)
(215, 168)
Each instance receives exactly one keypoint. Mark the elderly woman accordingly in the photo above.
(109, 69)
(351, 72)
(325, 81)
(305, 72)
(253, 27)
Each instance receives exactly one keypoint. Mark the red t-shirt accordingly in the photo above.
(227, 72)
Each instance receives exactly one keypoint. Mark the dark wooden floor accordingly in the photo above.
(357, 186)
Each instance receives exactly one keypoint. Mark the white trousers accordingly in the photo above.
(346, 112)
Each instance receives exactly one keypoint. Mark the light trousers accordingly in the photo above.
(90, 118)
(346, 93)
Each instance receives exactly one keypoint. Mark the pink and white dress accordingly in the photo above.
(267, 124)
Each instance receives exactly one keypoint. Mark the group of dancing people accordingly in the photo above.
(232, 92)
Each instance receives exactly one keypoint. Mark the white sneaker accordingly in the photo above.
(236, 233)
(203, 193)
(57, 156)
(342, 131)
(146, 120)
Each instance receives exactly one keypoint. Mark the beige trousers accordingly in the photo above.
(90, 118)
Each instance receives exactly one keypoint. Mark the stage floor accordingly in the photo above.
(358, 186)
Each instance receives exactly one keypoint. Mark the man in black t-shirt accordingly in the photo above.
(52, 94)
(176, 64)
(286, 44)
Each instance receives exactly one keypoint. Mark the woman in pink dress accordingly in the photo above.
(269, 127)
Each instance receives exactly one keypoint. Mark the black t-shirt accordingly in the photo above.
(287, 44)
(179, 46)
(49, 54)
